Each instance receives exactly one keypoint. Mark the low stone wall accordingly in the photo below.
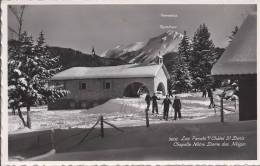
(73, 104)
(29, 144)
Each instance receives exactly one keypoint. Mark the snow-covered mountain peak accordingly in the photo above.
(134, 46)
(170, 32)
(121, 49)
(146, 52)
(118, 46)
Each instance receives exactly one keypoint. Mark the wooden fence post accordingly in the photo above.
(235, 104)
(52, 138)
(221, 109)
(146, 117)
(102, 126)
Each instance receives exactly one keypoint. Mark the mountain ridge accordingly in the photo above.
(69, 57)
(146, 52)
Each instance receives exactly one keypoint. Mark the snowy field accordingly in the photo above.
(123, 112)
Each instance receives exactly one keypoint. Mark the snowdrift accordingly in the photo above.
(120, 105)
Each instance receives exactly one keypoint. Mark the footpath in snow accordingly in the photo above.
(123, 112)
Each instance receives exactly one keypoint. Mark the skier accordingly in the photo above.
(204, 92)
(155, 105)
(148, 101)
(166, 102)
(210, 95)
(177, 107)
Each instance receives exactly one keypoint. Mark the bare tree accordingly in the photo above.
(18, 13)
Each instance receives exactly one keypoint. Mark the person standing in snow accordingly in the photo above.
(166, 103)
(204, 92)
(155, 105)
(148, 101)
(210, 95)
(177, 107)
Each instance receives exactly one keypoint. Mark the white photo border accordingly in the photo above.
(4, 83)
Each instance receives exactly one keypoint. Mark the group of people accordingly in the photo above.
(166, 105)
(210, 96)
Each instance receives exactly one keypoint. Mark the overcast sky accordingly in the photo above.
(106, 26)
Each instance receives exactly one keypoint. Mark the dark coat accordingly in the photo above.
(155, 98)
(166, 103)
(176, 104)
(210, 93)
(148, 98)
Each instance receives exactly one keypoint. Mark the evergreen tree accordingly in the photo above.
(202, 57)
(30, 66)
(184, 49)
(181, 76)
(17, 84)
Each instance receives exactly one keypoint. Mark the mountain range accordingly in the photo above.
(141, 52)
(164, 45)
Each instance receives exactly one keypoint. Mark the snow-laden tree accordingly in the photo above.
(30, 66)
(181, 78)
(17, 50)
(184, 49)
(202, 57)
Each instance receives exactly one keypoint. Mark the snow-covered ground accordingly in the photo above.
(123, 112)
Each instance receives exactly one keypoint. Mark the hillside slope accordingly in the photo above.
(71, 58)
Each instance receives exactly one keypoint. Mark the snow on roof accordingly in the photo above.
(240, 56)
(121, 71)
